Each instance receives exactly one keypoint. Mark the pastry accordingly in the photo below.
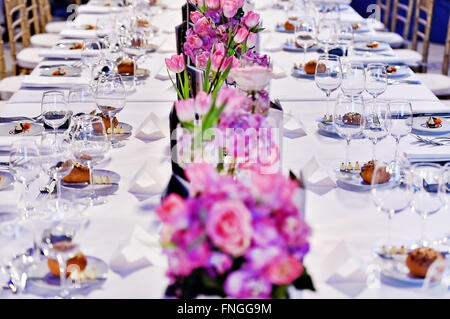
(310, 67)
(420, 259)
(142, 23)
(289, 26)
(76, 46)
(352, 118)
(391, 69)
(372, 45)
(90, 27)
(79, 174)
(434, 122)
(59, 72)
(356, 26)
(367, 173)
(20, 128)
(126, 67)
(79, 261)
(106, 122)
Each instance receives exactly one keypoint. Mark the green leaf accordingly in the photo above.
(280, 292)
(304, 282)
(206, 81)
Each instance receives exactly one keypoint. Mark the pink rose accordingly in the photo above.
(185, 110)
(220, 262)
(173, 211)
(201, 176)
(251, 20)
(283, 270)
(228, 224)
(252, 39)
(254, 78)
(179, 262)
(176, 63)
(213, 4)
(201, 26)
(241, 35)
(230, 8)
(203, 102)
(195, 16)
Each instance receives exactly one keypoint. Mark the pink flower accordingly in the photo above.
(217, 57)
(235, 63)
(203, 102)
(194, 41)
(179, 262)
(195, 16)
(213, 4)
(202, 25)
(259, 257)
(230, 8)
(241, 35)
(173, 211)
(251, 20)
(176, 63)
(228, 224)
(252, 39)
(201, 176)
(220, 262)
(201, 60)
(283, 270)
(254, 78)
(185, 110)
(244, 284)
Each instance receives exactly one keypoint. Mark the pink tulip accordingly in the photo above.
(185, 110)
(252, 39)
(235, 63)
(213, 4)
(203, 102)
(230, 8)
(202, 26)
(217, 57)
(176, 63)
(251, 20)
(195, 16)
(241, 35)
(194, 41)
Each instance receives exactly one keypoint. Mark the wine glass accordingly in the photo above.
(348, 118)
(376, 79)
(81, 100)
(91, 53)
(425, 201)
(54, 109)
(346, 36)
(394, 196)
(90, 145)
(57, 161)
(110, 98)
(377, 122)
(328, 76)
(353, 78)
(327, 34)
(445, 186)
(305, 34)
(401, 120)
(103, 27)
(24, 164)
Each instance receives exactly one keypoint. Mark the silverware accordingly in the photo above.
(432, 141)
(47, 189)
(393, 82)
(444, 114)
(35, 119)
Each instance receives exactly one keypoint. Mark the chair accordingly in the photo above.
(423, 7)
(8, 85)
(40, 40)
(439, 83)
(47, 23)
(404, 19)
(385, 8)
(17, 23)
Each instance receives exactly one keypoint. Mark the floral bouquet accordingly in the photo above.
(235, 239)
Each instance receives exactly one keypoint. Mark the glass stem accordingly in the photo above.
(388, 241)
(304, 56)
(111, 121)
(423, 230)
(374, 149)
(397, 144)
(347, 152)
(328, 93)
(91, 180)
(62, 277)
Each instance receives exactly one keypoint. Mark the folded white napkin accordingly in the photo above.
(163, 75)
(168, 46)
(152, 129)
(390, 37)
(293, 128)
(34, 81)
(143, 249)
(429, 153)
(60, 54)
(79, 34)
(86, 9)
(317, 180)
(151, 179)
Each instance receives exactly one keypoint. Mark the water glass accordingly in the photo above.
(377, 122)
(54, 109)
(328, 76)
(401, 120)
(376, 79)
(353, 78)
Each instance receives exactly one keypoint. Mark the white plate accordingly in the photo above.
(68, 70)
(42, 278)
(363, 28)
(402, 71)
(6, 181)
(281, 28)
(291, 47)
(84, 189)
(362, 46)
(67, 45)
(328, 129)
(353, 181)
(34, 130)
(419, 124)
(300, 73)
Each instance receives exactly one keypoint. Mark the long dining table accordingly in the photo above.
(346, 226)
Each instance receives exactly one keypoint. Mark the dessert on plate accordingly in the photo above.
(420, 259)
(79, 174)
(367, 172)
(20, 128)
(126, 67)
(434, 122)
(372, 45)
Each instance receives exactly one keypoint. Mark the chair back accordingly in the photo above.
(445, 64)
(385, 11)
(33, 17)
(402, 12)
(45, 12)
(2, 56)
(423, 19)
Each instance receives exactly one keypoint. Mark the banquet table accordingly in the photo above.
(344, 223)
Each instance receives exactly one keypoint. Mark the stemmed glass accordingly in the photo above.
(426, 179)
(305, 34)
(346, 36)
(90, 145)
(445, 186)
(376, 79)
(348, 119)
(91, 54)
(110, 98)
(401, 120)
(394, 196)
(353, 78)
(328, 76)
(80, 100)
(327, 34)
(24, 164)
(54, 109)
(377, 122)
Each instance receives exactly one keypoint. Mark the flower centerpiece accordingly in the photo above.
(234, 238)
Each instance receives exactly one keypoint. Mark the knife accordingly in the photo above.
(444, 114)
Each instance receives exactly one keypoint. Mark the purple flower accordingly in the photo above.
(245, 284)
(252, 58)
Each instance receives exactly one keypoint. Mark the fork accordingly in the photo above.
(47, 189)
(393, 82)
(429, 141)
(77, 64)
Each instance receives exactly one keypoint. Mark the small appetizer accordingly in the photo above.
(391, 69)
(76, 46)
(20, 128)
(372, 45)
(59, 72)
(434, 122)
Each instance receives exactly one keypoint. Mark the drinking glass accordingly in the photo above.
(377, 122)
(394, 196)
(327, 34)
(103, 27)
(110, 98)
(54, 109)
(401, 120)
(346, 37)
(305, 34)
(426, 200)
(24, 164)
(91, 53)
(445, 186)
(328, 76)
(348, 119)
(376, 79)
(81, 100)
(90, 145)
(353, 78)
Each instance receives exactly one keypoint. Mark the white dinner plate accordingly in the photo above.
(360, 28)
(300, 73)
(362, 46)
(353, 181)
(6, 129)
(84, 189)
(128, 130)
(6, 181)
(402, 70)
(280, 28)
(419, 124)
(291, 47)
(68, 45)
(328, 129)
(68, 71)
(43, 279)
